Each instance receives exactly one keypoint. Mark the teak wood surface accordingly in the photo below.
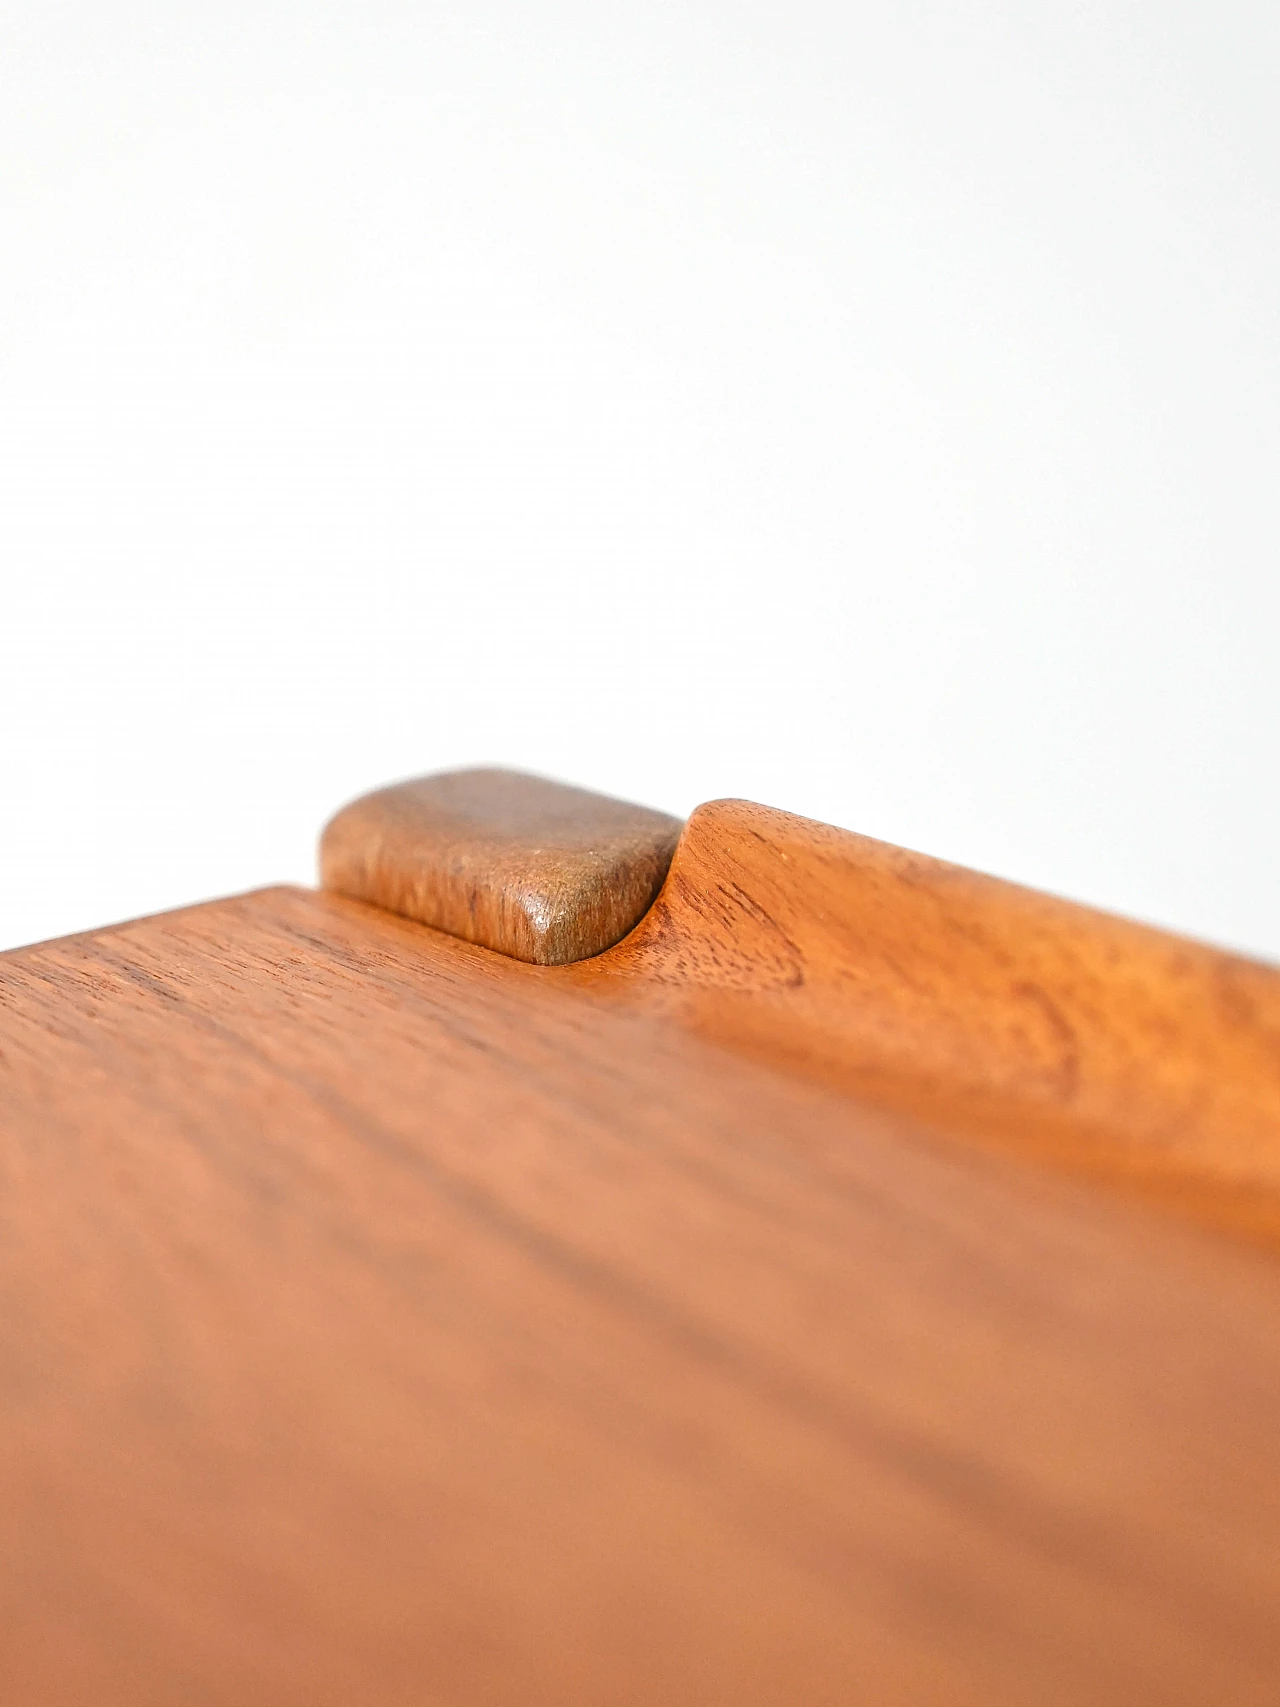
(1012, 1017)
(386, 1319)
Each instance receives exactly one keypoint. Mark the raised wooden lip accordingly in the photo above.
(1010, 1016)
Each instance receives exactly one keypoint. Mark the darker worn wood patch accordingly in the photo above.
(517, 863)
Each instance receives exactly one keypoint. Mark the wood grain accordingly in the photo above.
(1020, 1018)
(383, 1319)
(1001, 1013)
(529, 867)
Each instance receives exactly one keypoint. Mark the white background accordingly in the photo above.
(868, 409)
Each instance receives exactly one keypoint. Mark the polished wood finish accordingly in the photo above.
(385, 1319)
(1101, 1044)
(529, 867)
(1009, 1016)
